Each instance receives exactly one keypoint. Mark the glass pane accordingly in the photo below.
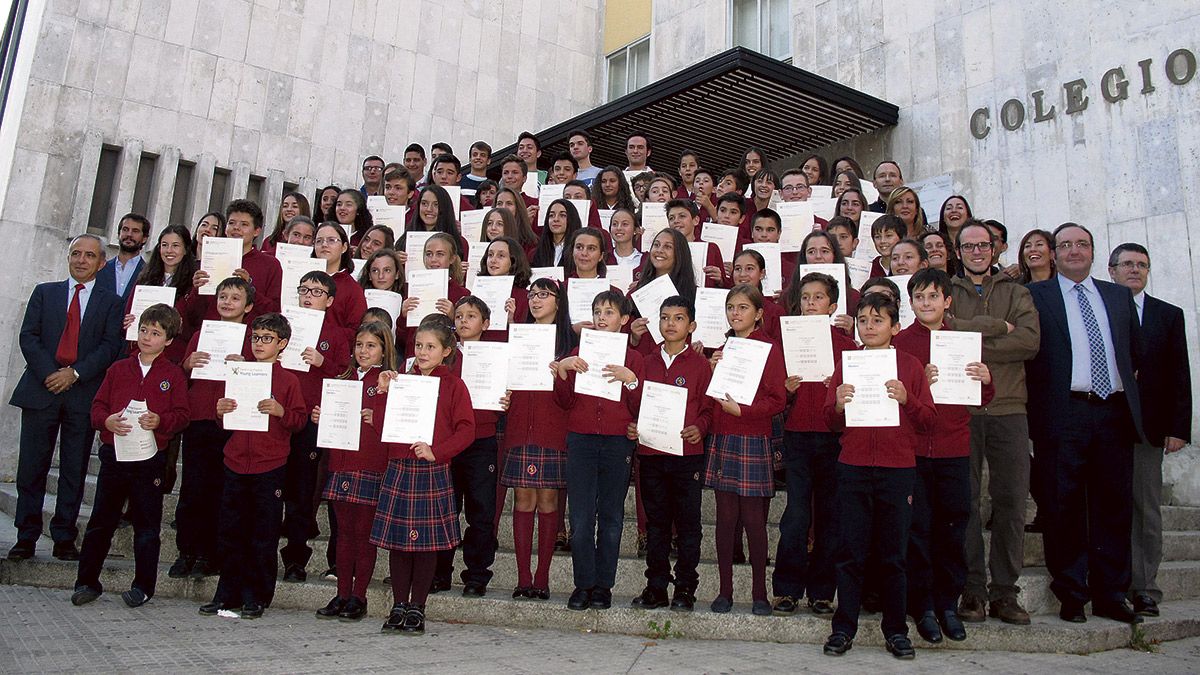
(745, 24)
(777, 29)
(640, 72)
(616, 75)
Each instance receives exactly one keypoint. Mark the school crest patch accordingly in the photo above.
(491, 468)
(371, 391)
(681, 381)
(278, 494)
(531, 469)
(157, 482)
(164, 385)
(345, 486)
(324, 346)
(696, 476)
(312, 455)
(413, 535)
(910, 500)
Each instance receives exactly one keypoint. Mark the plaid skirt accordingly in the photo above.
(532, 466)
(353, 487)
(416, 508)
(740, 464)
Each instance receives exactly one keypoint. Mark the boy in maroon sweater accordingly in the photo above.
(937, 565)
(159, 384)
(328, 359)
(875, 482)
(252, 499)
(243, 220)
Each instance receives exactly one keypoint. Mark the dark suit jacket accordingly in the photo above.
(101, 340)
(1164, 380)
(106, 278)
(1048, 375)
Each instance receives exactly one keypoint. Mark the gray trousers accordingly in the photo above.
(1147, 520)
(1003, 442)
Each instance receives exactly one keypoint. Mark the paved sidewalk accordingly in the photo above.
(40, 631)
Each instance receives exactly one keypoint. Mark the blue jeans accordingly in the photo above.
(597, 481)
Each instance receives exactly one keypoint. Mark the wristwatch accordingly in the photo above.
(632, 385)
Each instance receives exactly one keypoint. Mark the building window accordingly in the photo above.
(219, 196)
(102, 194)
(762, 25)
(629, 68)
(181, 201)
(145, 183)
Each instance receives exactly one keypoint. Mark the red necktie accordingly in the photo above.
(68, 344)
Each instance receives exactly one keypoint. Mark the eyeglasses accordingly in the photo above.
(314, 292)
(372, 169)
(981, 246)
(327, 241)
(1133, 265)
(1082, 245)
(542, 295)
(794, 188)
(263, 339)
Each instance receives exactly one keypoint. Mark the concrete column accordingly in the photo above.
(239, 180)
(202, 179)
(272, 197)
(124, 184)
(85, 186)
(308, 187)
(162, 191)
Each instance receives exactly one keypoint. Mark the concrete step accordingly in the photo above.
(1046, 635)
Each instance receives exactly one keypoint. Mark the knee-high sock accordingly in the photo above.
(523, 544)
(727, 520)
(423, 568)
(547, 534)
(754, 519)
(401, 566)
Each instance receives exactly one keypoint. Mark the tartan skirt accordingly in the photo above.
(353, 487)
(416, 508)
(532, 466)
(740, 464)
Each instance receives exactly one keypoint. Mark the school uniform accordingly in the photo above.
(810, 453)
(162, 387)
(670, 484)
(252, 499)
(877, 269)
(535, 442)
(520, 297)
(349, 304)
(875, 475)
(304, 457)
(713, 259)
(598, 465)
(174, 351)
(265, 275)
(407, 335)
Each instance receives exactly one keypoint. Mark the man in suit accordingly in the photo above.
(1165, 389)
(1084, 417)
(71, 334)
(122, 270)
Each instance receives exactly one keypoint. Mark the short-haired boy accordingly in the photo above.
(886, 232)
(845, 232)
(765, 228)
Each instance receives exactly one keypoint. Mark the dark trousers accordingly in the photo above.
(299, 488)
(140, 483)
(597, 481)
(937, 566)
(1087, 539)
(1002, 443)
(39, 429)
(810, 470)
(671, 489)
(874, 514)
(474, 475)
(199, 508)
(251, 511)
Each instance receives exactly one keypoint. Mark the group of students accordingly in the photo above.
(872, 496)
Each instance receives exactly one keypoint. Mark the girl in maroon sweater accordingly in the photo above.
(440, 253)
(504, 257)
(355, 476)
(332, 245)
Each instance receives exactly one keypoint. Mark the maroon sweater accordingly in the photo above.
(806, 412)
(535, 418)
(164, 389)
(249, 452)
(348, 306)
(454, 426)
(331, 345)
(691, 371)
(770, 400)
(485, 420)
(372, 453)
(595, 415)
(203, 394)
(265, 275)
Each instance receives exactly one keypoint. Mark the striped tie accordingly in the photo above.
(1101, 384)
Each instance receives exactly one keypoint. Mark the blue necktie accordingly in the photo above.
(1101, 384)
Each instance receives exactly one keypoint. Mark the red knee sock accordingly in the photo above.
(424, 566)
(727, 520)
(754, 519)
(523, 543)
(547, 534)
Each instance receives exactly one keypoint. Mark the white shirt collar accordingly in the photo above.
(1066, 284)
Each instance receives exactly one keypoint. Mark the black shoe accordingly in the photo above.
(721, 605)
(838, 644)
(439, 585)
(65, 550)
(252, 610)
(538, 593)
(952, 626)
(204, 568)
(182, 567)
(928, 628)
(295, 574)
(211, 608)
(1144, 605)
(785, 605)
(651, 598)
(901, 647)
(83, 595)
(760, 608)
(354, 610)
(22, 550)
(580, 599)
(474, 591)
(641, 545)
(414, 621)
(519, 593)
(601, 598)
(395, 620)
(333, 609)
(562, 543)
(1072, 612)
(134, 597)
(1117, 611)
(820, 606)
(684, 600)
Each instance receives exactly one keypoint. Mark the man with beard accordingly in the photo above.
(121, 271)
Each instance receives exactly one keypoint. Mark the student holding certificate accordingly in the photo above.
(875, 477)
(331, 245)
(684, 215)
(668, 256)
(439, 254)
(740, 464)
(624, 230)
(821, 248)
(351, 214)
(435, 213)
(937, 566)
(416, 517)
(886, 232)
(243, 220)
(171, 265)
(352, 486)
(749, 268)
(382, 272)
(561, 221)
(505, 258)
(764, 229)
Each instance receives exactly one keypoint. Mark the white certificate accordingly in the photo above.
(531, 186)
(219, 257)
(906, 312)
(838, 272)
(711, 322)
(531, 351)
(546, 196)
(294, 269)
(620, 276)
(386, 300)
(869, 191)
(823, 208)
(385, 214)
(143, 298)
(428, 286)
(859, 270)
(654, 220)
(661, 417)
(494, 292)
(218, 339)
(306, 332)
(699, 251)
(455, 193)
(649, 300)
(410, 409)
(951, 351)
(866, 243)
(580, 293)
(341, 414)
(471, 224)
(771, 254)
(606, 218)
(285, 250)
(555, 273)
(139, 443)
(475, 253)
(724, 236)
(820, 192)
(248, 383)
(600, 348)
(583, 207)
(869, 371)
(740, 370)
(414, 248)
(485, 372)
(797, 222)
(807, 346)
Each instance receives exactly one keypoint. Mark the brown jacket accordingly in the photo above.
(1002, 302)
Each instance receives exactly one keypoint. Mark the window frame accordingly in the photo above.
(758, 32)
(630, 70)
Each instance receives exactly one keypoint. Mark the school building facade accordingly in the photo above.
(1085, 110)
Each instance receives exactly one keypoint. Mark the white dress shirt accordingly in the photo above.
(1081, 355)
(1139, 301)
(84, 295)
